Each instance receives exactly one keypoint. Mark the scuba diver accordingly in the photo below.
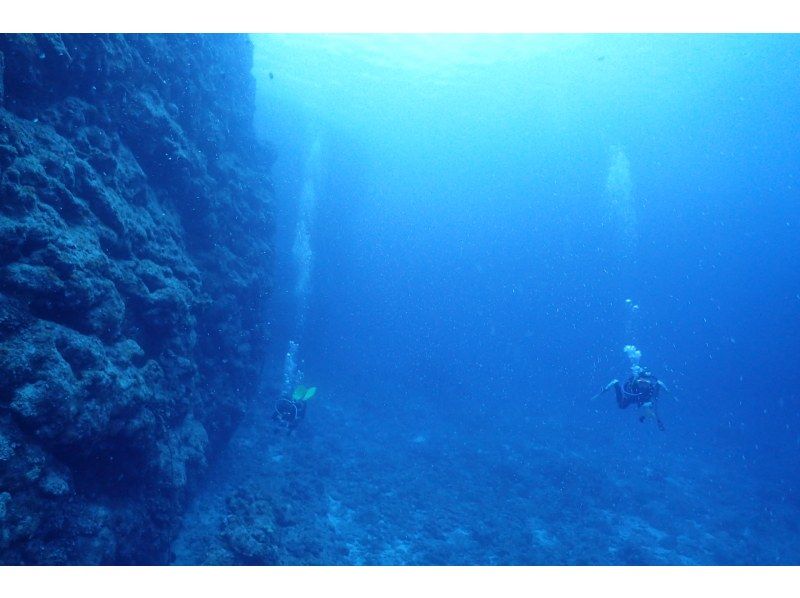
(641, 388)
(291, 410)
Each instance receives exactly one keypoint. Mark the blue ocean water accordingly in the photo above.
(470, 230)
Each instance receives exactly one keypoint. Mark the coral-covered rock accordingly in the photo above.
(135, 259)
(250, 529)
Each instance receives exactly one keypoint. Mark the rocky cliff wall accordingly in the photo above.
(135, 260)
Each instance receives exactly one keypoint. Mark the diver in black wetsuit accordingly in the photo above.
(289, 412)
(641, 389)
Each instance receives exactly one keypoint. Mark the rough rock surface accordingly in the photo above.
(135, 259)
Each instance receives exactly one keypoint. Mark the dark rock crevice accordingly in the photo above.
(135, 263)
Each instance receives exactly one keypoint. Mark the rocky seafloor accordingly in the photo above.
(135, 263)
(382, 478)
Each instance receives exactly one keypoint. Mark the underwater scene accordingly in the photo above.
(319, 299)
